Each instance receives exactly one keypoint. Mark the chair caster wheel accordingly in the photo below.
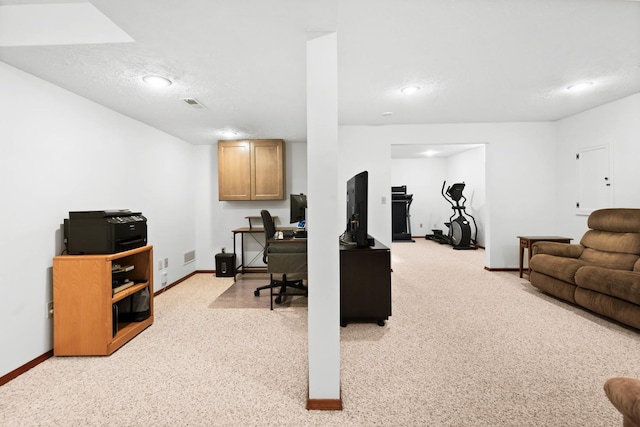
(278, 300)
(256, 293)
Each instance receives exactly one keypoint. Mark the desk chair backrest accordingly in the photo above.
(269, 231)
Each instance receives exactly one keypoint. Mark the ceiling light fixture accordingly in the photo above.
(430, 153)
(157, 81)
(579, 86)
(229, 133)
(387, 113)
(410, 89)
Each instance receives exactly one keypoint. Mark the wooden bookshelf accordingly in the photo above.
(83, 301)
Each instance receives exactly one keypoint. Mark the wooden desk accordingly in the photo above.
(244, 267)
(527, 241)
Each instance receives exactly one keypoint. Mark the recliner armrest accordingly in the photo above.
(624, 394)
(558, 249)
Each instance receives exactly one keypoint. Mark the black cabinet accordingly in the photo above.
(225, 265)
(365, 284)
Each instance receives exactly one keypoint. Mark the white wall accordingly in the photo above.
(63, 153)
(424, 177)
(216, 219)
(616, 125)
(359, 153)
(519, 198)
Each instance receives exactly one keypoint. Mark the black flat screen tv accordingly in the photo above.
(357, 199)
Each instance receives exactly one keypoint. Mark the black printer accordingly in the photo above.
(104, 232)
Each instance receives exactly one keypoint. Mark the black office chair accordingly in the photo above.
(282, 258)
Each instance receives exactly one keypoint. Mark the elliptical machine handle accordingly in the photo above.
(448, 199)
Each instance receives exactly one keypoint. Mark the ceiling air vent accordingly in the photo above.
(192, 102)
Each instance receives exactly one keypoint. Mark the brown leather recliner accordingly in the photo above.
(624, 394)
(602, 272)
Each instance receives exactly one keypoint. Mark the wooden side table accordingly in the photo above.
(527, 241)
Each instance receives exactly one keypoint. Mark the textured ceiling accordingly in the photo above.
(476, 61)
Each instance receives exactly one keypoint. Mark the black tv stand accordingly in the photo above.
(365, 283)
(370, 242)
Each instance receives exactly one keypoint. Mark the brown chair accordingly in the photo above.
(624, 394)
(282, 258)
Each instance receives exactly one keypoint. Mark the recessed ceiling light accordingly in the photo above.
(410, 89)
(157, 81)
(430, 153)
(229, 133)
(579, 86)
(387, 113)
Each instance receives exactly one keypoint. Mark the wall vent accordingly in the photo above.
(192, 102)
(189, 256)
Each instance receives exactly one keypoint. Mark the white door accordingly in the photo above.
(594, 182)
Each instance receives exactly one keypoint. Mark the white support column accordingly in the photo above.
(323, 223)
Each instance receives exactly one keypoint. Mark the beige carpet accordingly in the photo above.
(464, 347)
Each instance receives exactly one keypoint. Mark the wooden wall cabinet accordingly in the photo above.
(251, 169)
(83, 301)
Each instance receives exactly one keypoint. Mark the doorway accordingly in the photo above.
(424, 167)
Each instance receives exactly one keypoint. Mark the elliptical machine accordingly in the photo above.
(459, 235)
